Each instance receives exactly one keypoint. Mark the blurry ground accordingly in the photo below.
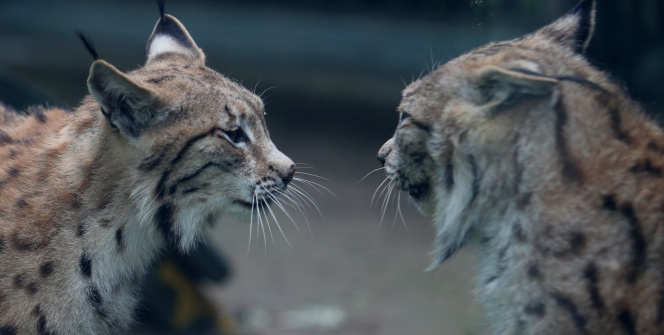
(353, 276)
(333, 83)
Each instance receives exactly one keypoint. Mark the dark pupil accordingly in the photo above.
(404, 116)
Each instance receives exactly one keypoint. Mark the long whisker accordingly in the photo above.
(368, 174)
(251, 220)
(386, 201)
(267, 222)
(283, 209)
(277, 223)
(315, 186)
(260, 221)
(306, 196)
(378, 189)
(293, 202)
(313, 175)
(385, 189)
(403, 221)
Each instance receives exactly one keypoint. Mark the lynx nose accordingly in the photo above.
(381, 159)
(289, 175)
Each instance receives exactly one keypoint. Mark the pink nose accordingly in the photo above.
(289, 175)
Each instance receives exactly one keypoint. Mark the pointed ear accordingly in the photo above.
(504, 87)
(574, 29)
(127, 105)
(170, 36)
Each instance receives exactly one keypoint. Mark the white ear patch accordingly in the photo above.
(165, 43)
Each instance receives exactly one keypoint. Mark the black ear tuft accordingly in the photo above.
(574, 29)
(161, 4)
(585, 10)
(88, 44)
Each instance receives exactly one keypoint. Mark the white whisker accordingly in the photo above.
(306, 196)
(283, 209)
(251, 220)
(386, 201)
(403, 221)
(377, 189)
(315, 186)
(313, 175)
(267, 222)
(368, 174)
(278, 226)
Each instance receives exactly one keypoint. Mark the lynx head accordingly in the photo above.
(197, 142)
(464, 115)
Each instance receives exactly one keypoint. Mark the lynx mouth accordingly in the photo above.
(419, 192)
(258, 203)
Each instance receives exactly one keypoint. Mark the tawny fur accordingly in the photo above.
(88, 197)
(529, 151)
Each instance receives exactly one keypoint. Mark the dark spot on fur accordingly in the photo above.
(609, 202)
(577, 242)
(85, 264)
(475, 186)
(645, 166)
(536, 308)
(518, 233)
(5, 138)
(80, 230)
(37, 112)
(13, 172)
(2, 243)
(119, 239)
(570, 172)
(523, 200)
(21, 203)
(567, 304)
(13, 153)
(638, 242)
(19, 280)
(449, 173)
(627, 322)
(590, 273)
(534, 272)
(164, 219)
(151, 162)
(31, 288)
(190, 190)
(616, 125)
(105, 223)
(46, 269)
(7, 330)
(41, 327)
(94, 297)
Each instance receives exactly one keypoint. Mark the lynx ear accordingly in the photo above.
(574, 29)
(503, 87)
(170, 37)
(127, 105)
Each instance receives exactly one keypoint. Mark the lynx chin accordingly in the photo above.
(525, 149)
(151, 157)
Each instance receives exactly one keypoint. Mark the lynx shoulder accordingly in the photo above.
(88, 197)
(526, 149)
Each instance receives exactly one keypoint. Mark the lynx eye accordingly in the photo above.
(403, 116)
(237, 135)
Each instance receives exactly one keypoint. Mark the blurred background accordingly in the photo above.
(331, 75)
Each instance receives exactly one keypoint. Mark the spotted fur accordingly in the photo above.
(527, 148)
(88, 197)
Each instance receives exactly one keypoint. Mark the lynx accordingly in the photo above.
(545, 163)
(150, 158)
